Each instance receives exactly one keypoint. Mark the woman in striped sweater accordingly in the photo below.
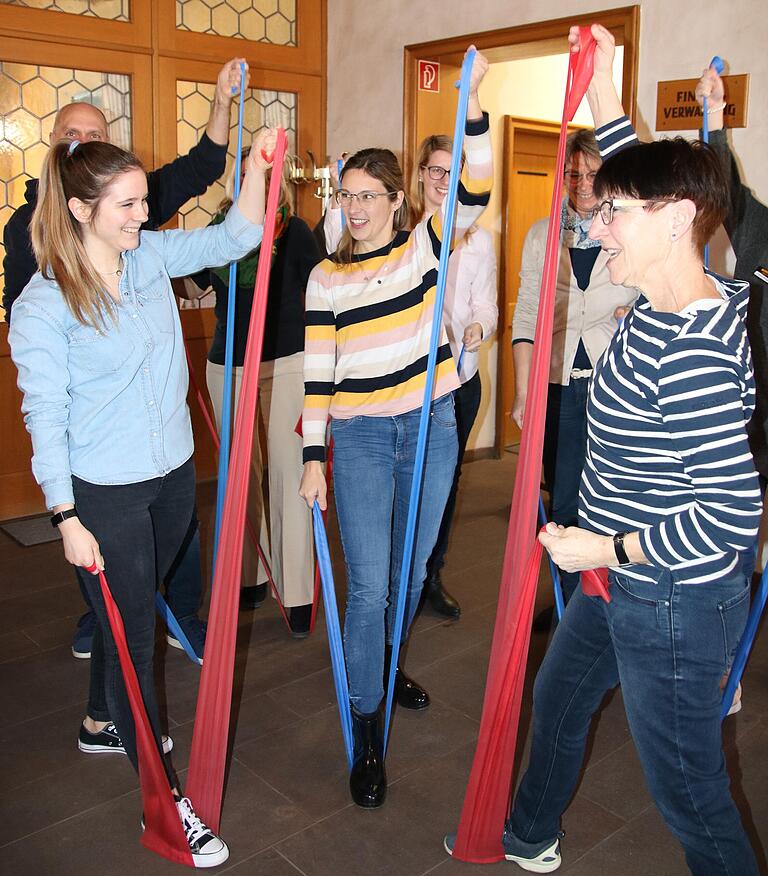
(369, 320)
(669, 500)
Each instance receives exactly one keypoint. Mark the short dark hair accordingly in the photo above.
(672, 169)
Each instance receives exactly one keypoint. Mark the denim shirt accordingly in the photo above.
(110, 406)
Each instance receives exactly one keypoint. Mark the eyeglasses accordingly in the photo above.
(607, 208)
(573, 176)
(436, 172)
(367, 199)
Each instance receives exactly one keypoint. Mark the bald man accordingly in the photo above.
(169, 187)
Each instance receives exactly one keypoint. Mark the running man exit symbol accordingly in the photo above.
(429, 76)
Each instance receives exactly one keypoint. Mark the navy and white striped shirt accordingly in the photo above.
(667, 450)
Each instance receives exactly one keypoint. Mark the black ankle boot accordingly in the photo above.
(368, 781)
(408, 694)
(438, 597)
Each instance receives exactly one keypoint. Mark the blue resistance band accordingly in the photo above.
(717, 63)
(437, 322)
(461, 359)
(556, 583)
(173, 627)
(335, 643)
(745, 645)
(229, 354)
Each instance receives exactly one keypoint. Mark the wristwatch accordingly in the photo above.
(618, 546)
(56, 519)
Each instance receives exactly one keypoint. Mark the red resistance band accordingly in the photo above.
(487, 797)
(205, 783)
(163, 832)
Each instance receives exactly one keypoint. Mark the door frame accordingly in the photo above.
(623, 23)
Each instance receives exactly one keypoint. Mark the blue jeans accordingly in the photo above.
(565, 449)
(373, 460)
(668, 644)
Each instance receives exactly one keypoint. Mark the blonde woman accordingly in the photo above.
(97, 342)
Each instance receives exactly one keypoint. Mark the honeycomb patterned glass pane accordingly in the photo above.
(262, 109)
(114, 10)
(30, 97)
(261, 21)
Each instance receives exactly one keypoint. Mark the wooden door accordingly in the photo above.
(530, 150)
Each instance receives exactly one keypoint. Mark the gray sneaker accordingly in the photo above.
(533, 857)
(541, 857)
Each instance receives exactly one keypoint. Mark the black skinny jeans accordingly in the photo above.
(139, 528)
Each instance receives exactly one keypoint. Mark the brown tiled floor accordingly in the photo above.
(287, 808)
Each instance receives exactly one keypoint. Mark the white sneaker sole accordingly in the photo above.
(213, 859)
(536, 866)
(103, 749)
(81, 655)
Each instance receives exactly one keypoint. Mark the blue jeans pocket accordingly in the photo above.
(444, 412)
(733, 617)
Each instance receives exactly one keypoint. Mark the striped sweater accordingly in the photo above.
(369, 323)
(667, 452)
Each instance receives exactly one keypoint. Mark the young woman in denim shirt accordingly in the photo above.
(97, 342)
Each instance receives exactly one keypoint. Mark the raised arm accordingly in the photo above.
(190, 175)
(747, 217)
(477, 176)
(601, 95)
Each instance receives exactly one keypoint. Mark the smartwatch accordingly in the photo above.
(618, 546)
(56, 519)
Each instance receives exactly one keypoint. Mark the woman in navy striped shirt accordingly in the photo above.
(669, 500)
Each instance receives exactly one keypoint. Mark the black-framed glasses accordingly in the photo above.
(436, 172)
(345, 198)
(607, 208)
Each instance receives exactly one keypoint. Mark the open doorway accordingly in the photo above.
(523, 93)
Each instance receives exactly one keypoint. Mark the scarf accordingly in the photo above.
(246, 267)
(574, 229)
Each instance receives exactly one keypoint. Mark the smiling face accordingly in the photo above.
(637, 242)
(579, 180)
(435, 190)
(113, 226)
(371, 224)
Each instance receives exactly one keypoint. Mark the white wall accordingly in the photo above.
(677, 39)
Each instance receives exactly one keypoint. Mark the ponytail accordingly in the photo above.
(83, 171)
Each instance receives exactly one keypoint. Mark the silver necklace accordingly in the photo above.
(116, 273)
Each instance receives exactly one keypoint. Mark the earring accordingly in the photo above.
(674, 236)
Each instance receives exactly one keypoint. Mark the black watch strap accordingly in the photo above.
(618, 546)
(56, 519)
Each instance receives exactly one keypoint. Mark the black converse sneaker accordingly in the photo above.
(207, 849)
(108, 741)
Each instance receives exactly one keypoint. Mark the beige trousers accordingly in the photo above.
(289, 550)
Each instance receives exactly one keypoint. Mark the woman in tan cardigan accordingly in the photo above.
(587, 305)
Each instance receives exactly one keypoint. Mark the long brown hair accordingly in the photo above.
(433, 143)
(382, 165)
(82, 172)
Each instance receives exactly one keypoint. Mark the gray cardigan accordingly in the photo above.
(747, 228)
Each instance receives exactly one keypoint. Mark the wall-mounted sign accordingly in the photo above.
(429, 76)
(678, 110)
